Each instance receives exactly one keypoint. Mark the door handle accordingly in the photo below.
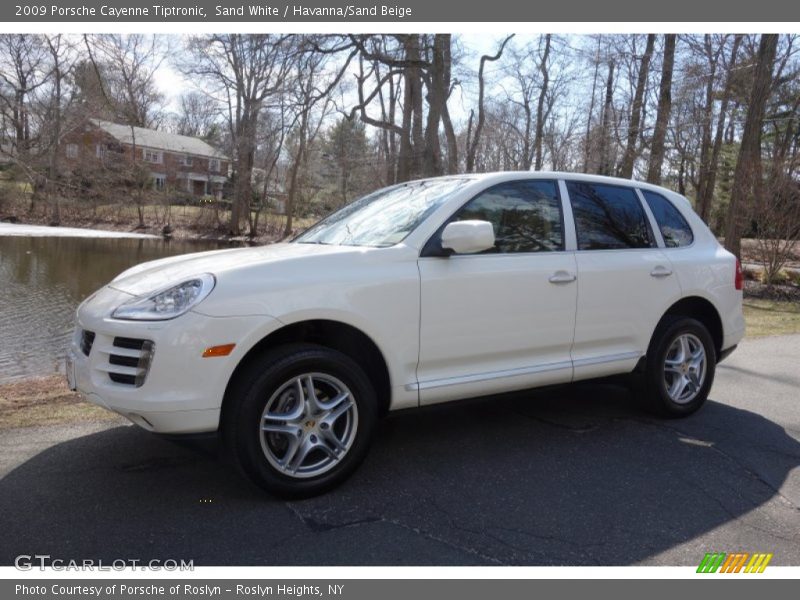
(562, 277)
(661, 271)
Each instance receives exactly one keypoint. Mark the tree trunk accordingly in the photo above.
(587, 142)
(291, 197)
(604, 167)
(540, 106)
(439, 77)
(747, 175)
(664, 109)
(634, 126)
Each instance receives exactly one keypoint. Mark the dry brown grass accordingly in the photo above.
(770, 317)
(45, 401)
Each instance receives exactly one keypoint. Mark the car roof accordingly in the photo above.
(500, 176)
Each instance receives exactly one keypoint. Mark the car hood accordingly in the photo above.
(158, 274)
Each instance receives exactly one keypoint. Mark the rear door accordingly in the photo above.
(625, 281)
(503, 319)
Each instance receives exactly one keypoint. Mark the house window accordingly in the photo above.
(187, 161)
(99, 150)
(72, 150)
(159, 181)
(152, 156)
(213, 165)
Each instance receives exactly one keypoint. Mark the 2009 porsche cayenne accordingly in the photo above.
(423, 292)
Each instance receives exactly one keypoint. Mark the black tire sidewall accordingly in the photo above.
(265, 375)
(656, 386)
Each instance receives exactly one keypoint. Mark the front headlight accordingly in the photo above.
(167, 303)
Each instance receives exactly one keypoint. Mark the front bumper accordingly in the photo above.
(182, 391)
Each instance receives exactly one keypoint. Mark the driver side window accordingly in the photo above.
(526, 216)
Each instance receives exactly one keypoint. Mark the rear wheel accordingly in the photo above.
(680, 367)
(300, 419)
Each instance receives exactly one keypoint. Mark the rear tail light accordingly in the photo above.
(739, 280)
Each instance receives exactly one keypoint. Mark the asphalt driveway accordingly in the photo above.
(575, 475)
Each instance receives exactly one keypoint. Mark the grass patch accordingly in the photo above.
(45, 401)
(770, 317)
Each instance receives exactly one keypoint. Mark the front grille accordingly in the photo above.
(87, 339)
(132, 361)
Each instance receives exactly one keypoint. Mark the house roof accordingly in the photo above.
(158, 140)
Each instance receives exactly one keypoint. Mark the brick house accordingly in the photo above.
(177, 163)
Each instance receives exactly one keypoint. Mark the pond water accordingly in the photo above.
(42, 281)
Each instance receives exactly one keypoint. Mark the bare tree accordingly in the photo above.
(245, 70)
(474, 137)
(664, 108)
(540, 105)
(126, 66)
(60, 68)
(23, 70)
(605, 165)
(708, 170)
(747, 179)
(635, 123)
(198, 116)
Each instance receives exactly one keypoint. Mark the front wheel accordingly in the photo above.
(680, 367)
(300, 420)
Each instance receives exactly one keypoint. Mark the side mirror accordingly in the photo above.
(468, 237)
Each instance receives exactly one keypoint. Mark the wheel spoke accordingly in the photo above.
(685, 351)
(340, 409)
(678, 387)
(332, 453)
(291, 452)
(694, 380)
(288, 417)
(301, 452)
(311, 395)
(337, 400)
(284, 428)
(335, 443)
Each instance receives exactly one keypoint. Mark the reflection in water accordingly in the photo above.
(42, 281)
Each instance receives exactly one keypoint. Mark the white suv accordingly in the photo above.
(419, 293)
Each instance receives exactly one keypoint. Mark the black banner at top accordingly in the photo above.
(441, 11)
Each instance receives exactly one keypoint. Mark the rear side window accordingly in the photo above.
(608, 217)
(526, 215)
(673, 226)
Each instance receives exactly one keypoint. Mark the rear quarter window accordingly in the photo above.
(674, 228)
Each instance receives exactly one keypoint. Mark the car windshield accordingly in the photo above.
(385, 217)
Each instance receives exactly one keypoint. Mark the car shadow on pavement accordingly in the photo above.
(576, 475)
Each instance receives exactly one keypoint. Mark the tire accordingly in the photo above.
(312, 444)
(681, 355)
